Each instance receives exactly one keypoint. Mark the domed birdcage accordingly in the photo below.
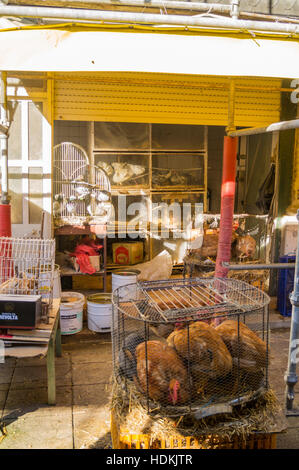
(196, 346)
(81, 192)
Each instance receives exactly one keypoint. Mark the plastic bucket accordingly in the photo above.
(99, 312)
(71, 312)
(126, 277)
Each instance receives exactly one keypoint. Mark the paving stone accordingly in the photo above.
(86, 335)
(6, 373)
(39, 432)
(33, 402)
(91, 373)
(91, 352)
(36, 376)
(35, 361)
(3, 396)
(91, 427)
(91, 395)
(288, 439)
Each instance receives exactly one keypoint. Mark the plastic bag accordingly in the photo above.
(157, 269)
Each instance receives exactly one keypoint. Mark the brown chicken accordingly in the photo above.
(210, 245)
(244, 247)
(253, 350)
(249, 353)
(209, 357)
(166, 373)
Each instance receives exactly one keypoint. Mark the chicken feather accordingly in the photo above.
(249, 350)
(207, 355)
(164, 376)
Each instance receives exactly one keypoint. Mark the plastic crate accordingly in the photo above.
(285, 286)
(123, 439)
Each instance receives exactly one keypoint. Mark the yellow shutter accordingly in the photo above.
(164, 98)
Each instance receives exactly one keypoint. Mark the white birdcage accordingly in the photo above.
(27, 268)
(78, 188)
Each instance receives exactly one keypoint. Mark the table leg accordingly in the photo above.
(58, 341)
(51, 373)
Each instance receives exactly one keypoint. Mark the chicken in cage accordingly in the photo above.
(183, 345)
(27, 268)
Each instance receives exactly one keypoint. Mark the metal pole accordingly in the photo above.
(168, 4)
(257, 267)
(228, 188)
(291, 377)
(275, 127)
(143, 18)
(4, 139)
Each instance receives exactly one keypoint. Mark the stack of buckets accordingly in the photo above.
(99, 306)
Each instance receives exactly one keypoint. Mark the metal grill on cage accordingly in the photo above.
(195, 346)
(27, 268)
(81, 192)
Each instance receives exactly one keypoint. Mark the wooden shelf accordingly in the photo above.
(81, 230)
(72, 272)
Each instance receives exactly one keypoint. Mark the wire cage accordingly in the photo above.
(196, 346)
(82, 192)
(27, 268)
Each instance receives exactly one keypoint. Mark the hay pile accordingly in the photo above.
(257, 416)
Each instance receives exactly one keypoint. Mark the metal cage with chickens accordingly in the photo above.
(82, 192)
(27, 268)
(191, 346)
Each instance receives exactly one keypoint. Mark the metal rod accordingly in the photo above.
(4, 139)
(168, 4)
(146, 18)
(253, 267)
(277, 126)
(291, 377)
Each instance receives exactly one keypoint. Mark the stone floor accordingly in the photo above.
(81, 418)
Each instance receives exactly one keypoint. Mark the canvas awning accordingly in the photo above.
(75, 50)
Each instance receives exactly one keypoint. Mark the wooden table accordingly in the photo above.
(53, 345)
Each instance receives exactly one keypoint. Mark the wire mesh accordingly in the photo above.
(187, 345)
(78, 195)
(27, 268)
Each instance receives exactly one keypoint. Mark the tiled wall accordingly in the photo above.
(71, 131)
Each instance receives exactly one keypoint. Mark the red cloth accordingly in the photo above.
(83, 251)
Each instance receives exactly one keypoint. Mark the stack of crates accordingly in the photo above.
(285, 286)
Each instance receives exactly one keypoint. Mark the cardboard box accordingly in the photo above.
(94, 261)
(127, 253)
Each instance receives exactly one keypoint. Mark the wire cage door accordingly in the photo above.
(186, 346)
(80, 190)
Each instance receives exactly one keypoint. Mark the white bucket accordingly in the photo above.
(71, 312)
(126, 277)
(99, 312)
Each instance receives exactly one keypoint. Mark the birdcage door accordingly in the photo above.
(70, 169)
(80, 191)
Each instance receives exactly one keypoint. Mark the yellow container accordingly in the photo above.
(127, 253)
(122, 439)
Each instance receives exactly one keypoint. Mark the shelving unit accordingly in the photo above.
(101, 232)
(173, 166)
(157, 161)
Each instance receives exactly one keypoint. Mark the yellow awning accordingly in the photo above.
(62, 50)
